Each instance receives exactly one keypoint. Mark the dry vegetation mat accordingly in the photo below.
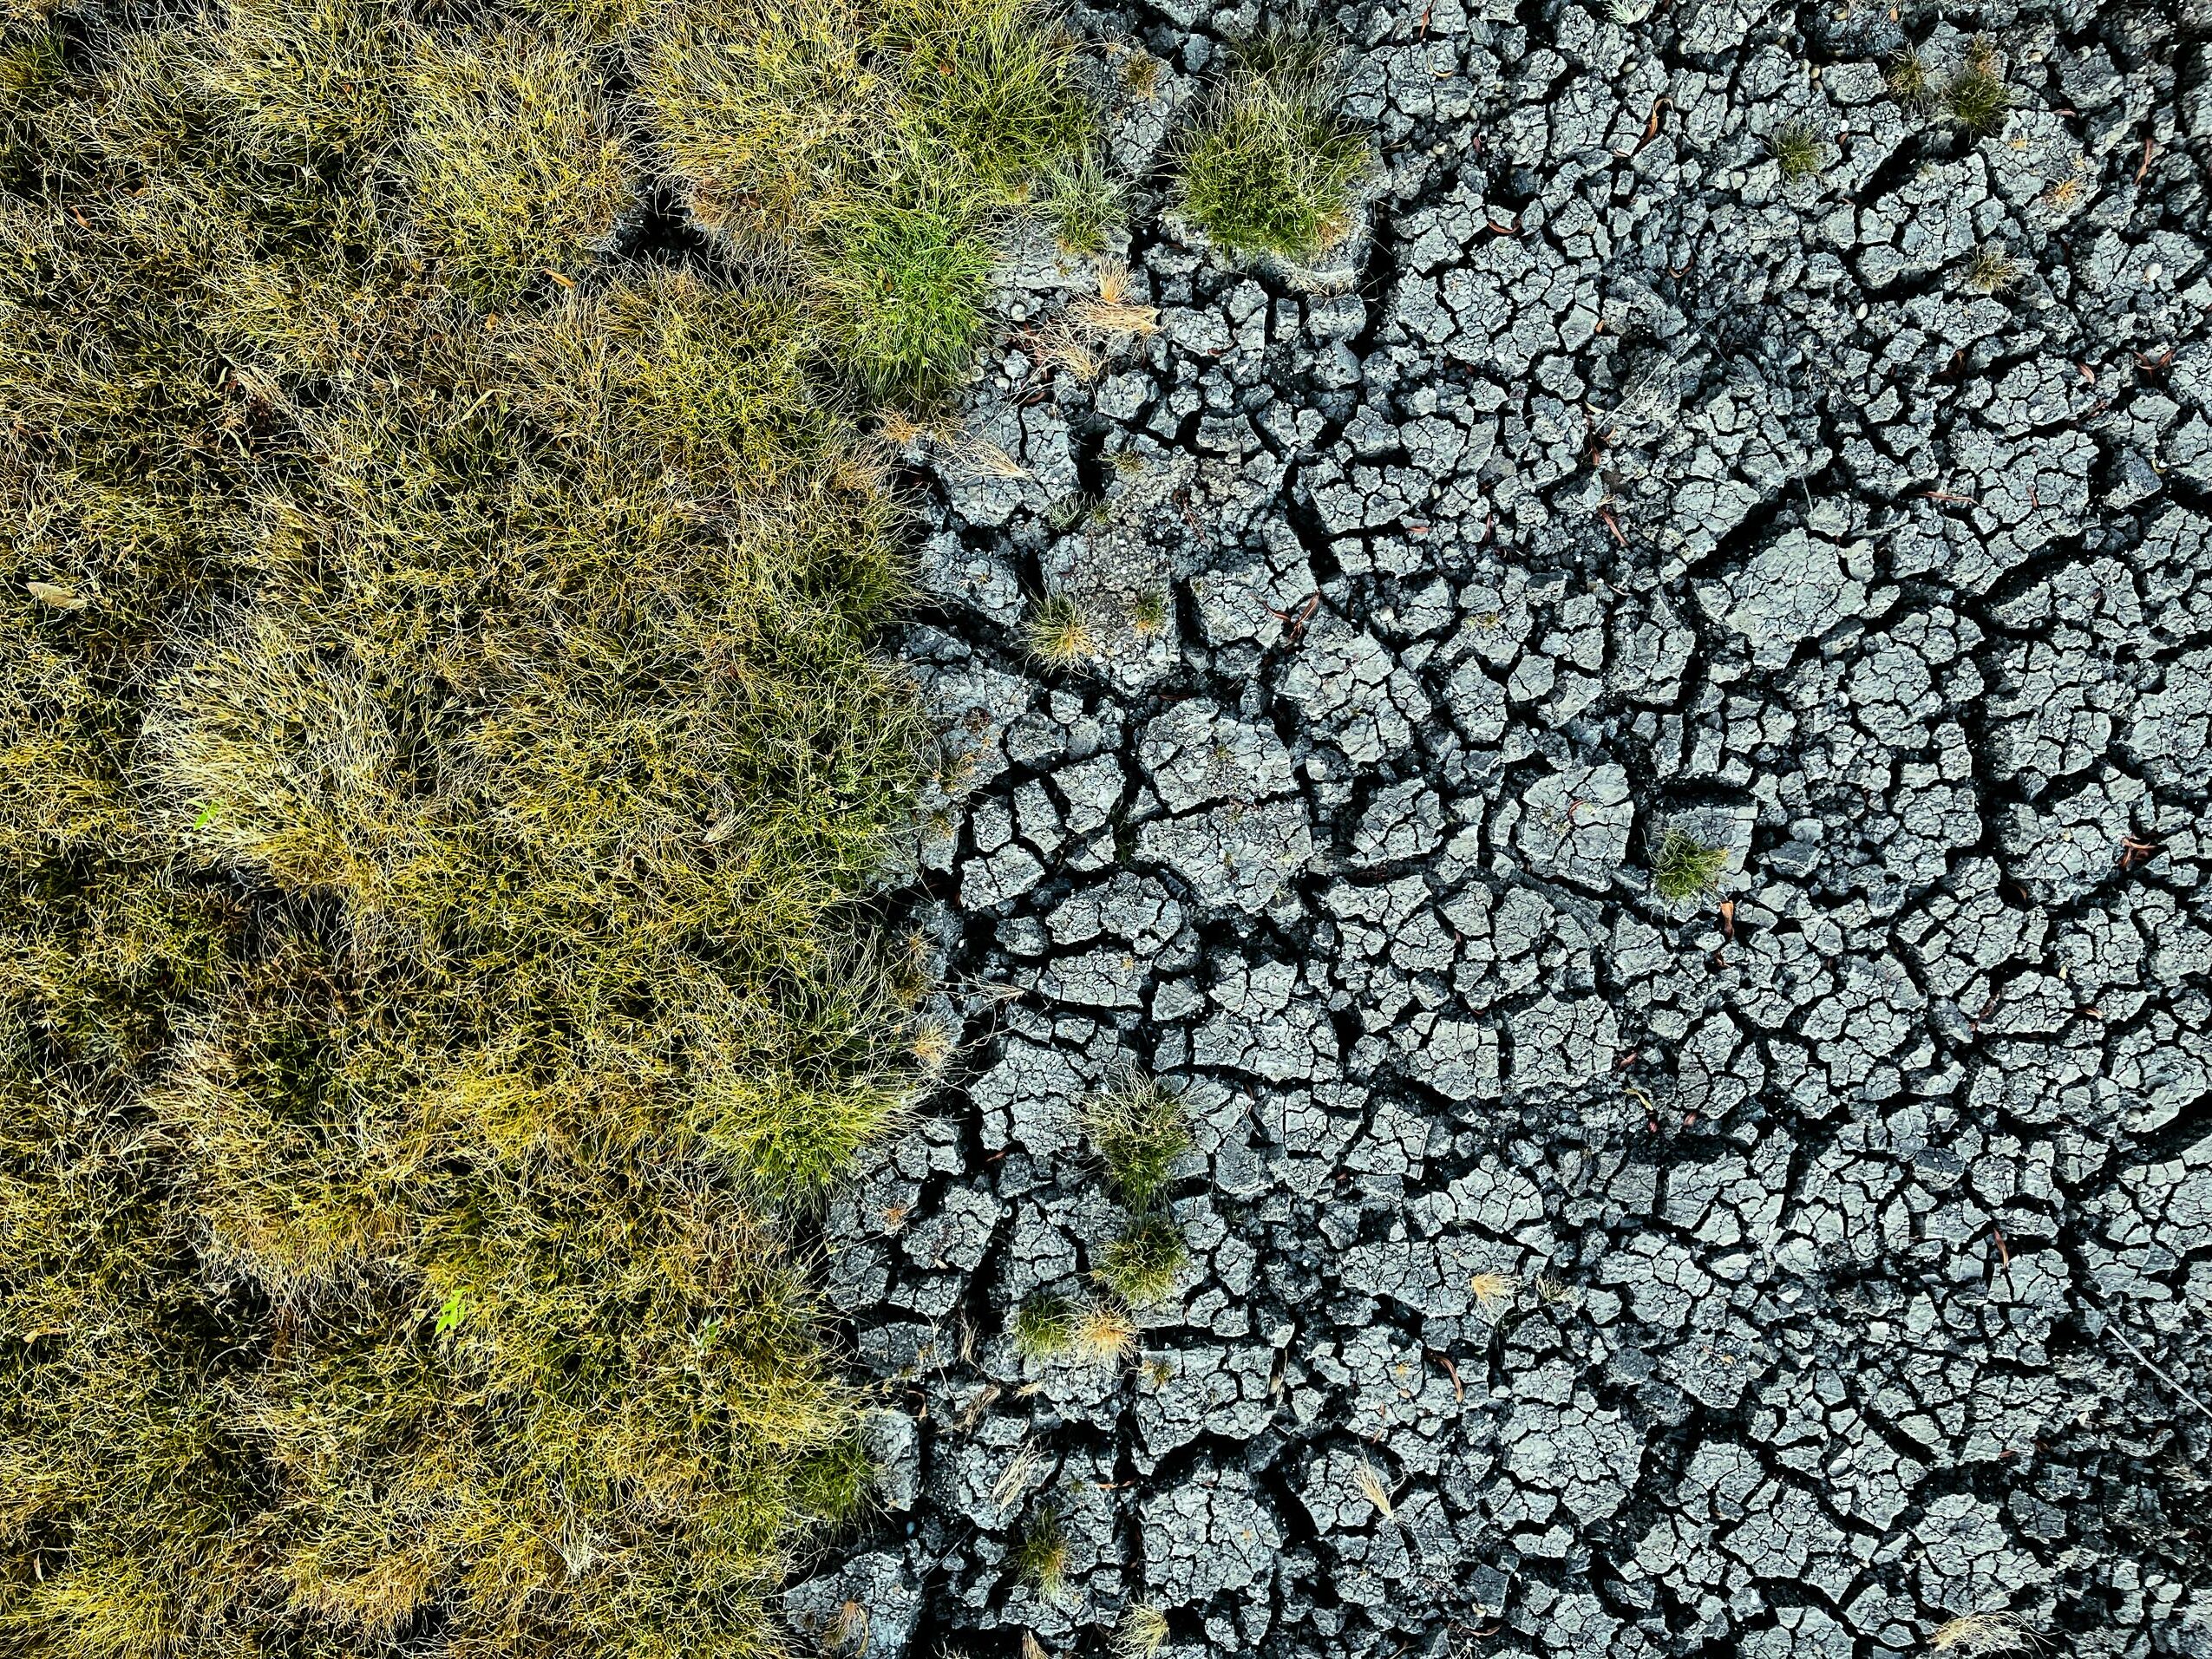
(441, 756)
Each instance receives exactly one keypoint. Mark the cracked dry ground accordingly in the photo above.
(1849, 1228)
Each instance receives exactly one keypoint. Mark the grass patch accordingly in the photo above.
(1141, 1632)
(1041, 1554)
(1086, 204)
(1104, 1334)
(1044, 1327)
(880, 152)
(1797, 151)
(1909, 82)
(1685, 867)
(1139, 1266)
(1977, 99)
(444, 747)
(1270, 166)
(1139, 1129)
(1059, 634)
(908, 283)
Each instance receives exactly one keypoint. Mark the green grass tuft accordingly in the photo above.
(878, 154)
(1797, 151)
(1139, 1129)
(908, 283)
(990, 82)
(1976, 98)
(1059, 633)
(1909, 82)
(1086, 205)
(1041, 1554)
(1269, 168)
(1044, 1327)
(1685, 867)
(1140, 1265)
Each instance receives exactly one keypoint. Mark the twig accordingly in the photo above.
(2113, 1324)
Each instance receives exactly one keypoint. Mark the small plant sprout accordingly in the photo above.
(1139, 1266)
(1148, 613)
(1976, 98)
(1141, 1632)
(1044, 1327)
(1992, 271)
(1797, 151)
(1041, 1555)
(1139, 1128)
(1103, 1334)
(1059, 634)
(1908, 80)
(1686, 867)
(1977, 1635)
(1269, 168)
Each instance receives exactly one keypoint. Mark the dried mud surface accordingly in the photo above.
(1791, 1271)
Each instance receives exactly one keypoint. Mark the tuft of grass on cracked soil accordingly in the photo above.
(1141, 1632)
(1104, 1334)
(1139, 1266)
(1977, 99)
(1981, 1636)
(1908, 80)
(1040, 1555)
(1685, 867)
(444, 754)
(1059, 634)
(1044, 1327)
(1992, 271)
(1138, 1126)
(1270, 166)
(1797, 151)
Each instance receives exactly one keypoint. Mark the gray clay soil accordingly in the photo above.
(1814, 1267)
